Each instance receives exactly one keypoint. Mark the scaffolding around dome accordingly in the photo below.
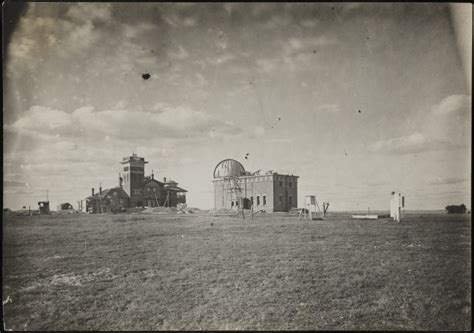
(235, 188)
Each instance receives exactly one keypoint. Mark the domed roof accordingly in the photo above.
(229, 168)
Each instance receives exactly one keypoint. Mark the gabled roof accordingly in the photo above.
(174, 188)
(146, 181)
(107, 191)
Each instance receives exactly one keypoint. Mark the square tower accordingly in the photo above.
(133, 177)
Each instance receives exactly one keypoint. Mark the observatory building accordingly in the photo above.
(271, 191)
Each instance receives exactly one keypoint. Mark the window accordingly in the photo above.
(281, 199)
(258, 200)
(154, 189)
(289, 200)
(289, 184)
(232, 203)
(264, 199)
(236, 203)
(251, 199)
(125, 169)
(148, 189)
(281, 184)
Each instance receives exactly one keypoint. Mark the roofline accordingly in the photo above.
(255, 176)
(124, 162)
(98, 195)
(152, 179)
(177, 189)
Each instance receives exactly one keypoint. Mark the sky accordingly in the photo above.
(358, 100)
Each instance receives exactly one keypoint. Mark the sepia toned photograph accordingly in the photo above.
(236, 166)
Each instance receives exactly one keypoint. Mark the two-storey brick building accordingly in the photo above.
(271, 191)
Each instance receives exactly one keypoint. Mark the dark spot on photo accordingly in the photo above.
(146, 76)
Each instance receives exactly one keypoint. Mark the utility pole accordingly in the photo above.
(100, 197)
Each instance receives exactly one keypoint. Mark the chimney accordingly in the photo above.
(92, 191)
(100, 190)
(120, 180)
(152, 175)
(164, 179)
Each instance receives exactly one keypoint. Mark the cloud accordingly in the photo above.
(165, 121)
(296, 45)
(17, 191)
(445, 127)
(222, 59)
(376, 183)
(259, 131)
(14, 183)
(278, 140)
(330, 108)
(411, 144)
(22, 48)
(180, 53)
(453, 105)
(86, 12)
(135, 30)
(309, 23)
(179, 20)
(449, 120)
(295, 53)
(350, 7)
(447, 181)
(242, 88)
(54, 34)
(268, 65)
(40, 35)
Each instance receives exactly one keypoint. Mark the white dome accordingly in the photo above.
(229, 168)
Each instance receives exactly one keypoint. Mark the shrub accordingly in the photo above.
(453, 209)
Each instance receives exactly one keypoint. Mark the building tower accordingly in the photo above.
(133, 177)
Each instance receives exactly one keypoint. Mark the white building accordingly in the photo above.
(397, 203)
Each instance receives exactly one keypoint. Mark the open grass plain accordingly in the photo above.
(194, 271)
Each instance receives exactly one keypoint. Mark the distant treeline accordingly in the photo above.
(454, 209)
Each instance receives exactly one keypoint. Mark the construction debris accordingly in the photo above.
(365, 217)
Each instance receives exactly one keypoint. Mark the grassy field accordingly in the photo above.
(154, 272)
